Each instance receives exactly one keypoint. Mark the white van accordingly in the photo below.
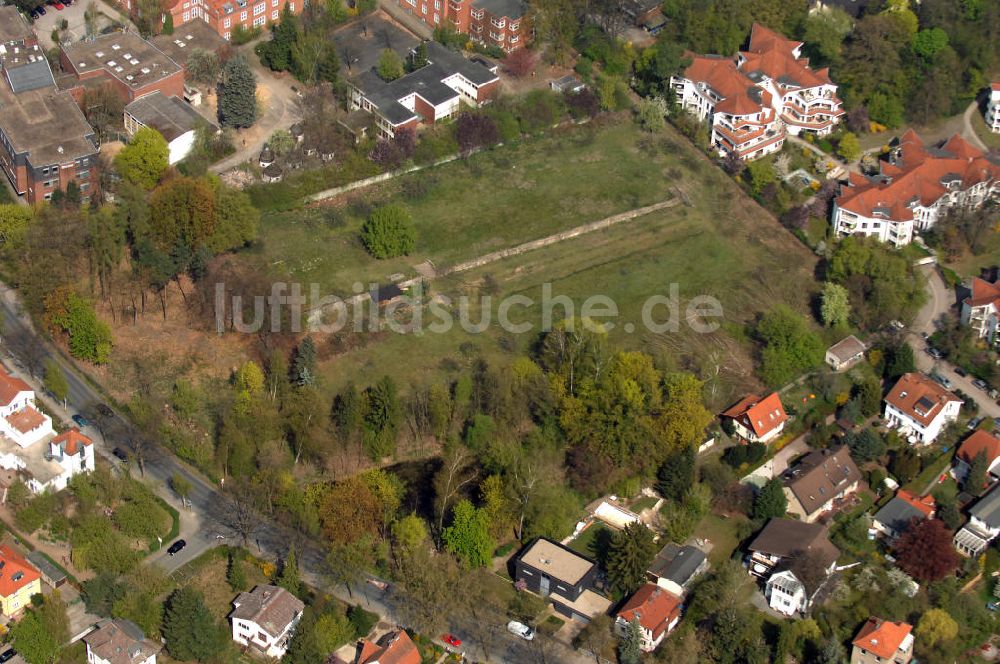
(520, 629)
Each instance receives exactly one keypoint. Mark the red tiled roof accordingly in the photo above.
(882, 637)
(764, 39)
(654, 607)
(722, 75)
(919, 397)
(995, 87)
(980, 441)
(917, 178)
(393, 648)
(983, 293)
(761, 415)
(923, 504)
(71, 441)
(773, 54)
(10, 387)
(26, 419)
(11, 565)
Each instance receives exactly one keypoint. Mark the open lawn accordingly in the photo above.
(716, 243)
(593, 542)
(722, 532)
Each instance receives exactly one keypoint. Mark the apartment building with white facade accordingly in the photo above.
(753, 101)
(914, 188)
(993, 109)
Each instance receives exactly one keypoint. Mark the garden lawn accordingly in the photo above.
(587, 542)
(722, 533)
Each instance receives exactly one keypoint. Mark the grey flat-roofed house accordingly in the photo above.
(676, 566)
(558, 573)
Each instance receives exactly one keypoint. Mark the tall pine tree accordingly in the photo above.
(304, 366)
(289, 578)
(190, 629)
(676, 475)
(629, 556)
(237, 94)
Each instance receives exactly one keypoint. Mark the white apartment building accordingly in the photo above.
(913, 189)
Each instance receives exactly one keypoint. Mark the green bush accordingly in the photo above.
(362, 621)
(388, 232)
(243, 35)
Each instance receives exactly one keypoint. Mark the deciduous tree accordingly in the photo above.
(936, 626)
(468, 536)
(145, 158)
(925, 551)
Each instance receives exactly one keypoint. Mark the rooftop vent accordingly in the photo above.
(128, 56)
(99, 54)
(115, 47)
(145, 70)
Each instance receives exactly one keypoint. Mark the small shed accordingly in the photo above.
(266, 156)
(51, 573)
(272, 173)
(566, 84)
(845, 353)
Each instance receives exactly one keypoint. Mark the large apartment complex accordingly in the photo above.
(753, 101)
(500, 23)
(45, 141)
(914, 188)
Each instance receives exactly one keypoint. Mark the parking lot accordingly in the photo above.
(74, 15)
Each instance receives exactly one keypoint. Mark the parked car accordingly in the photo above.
(974, 423)
(41, 10)
(520, 629)
(941, 379)
(81, 421)
(935, 353)
(176, 547)
(992, 606)
(981, 384)
(961, 372)
(452, 640)
(8, 655)
(59, 6)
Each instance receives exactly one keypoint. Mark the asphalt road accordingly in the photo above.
(942, 300)
(207, 515)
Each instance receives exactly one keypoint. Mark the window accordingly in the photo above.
(274, 15)
(516, 25)
(226, 35)
(186, 17)
(498, 23)
(437, 4)
(186, 5)
(227, 23)
(437, 19)
(514, 39)
(259, 9)
(291, 7)
(423, 9)
(243, 16)
(477, 14)
(259, 21)
(83, 175)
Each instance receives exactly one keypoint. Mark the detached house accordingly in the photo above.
(265, 618)
(757, 419)
(675, 567)
(983, 525)
(920, 408)
(392, 648)
(657, 612)
(845, 353)
(978, 442)
(782, 539)
(752, 101)
(914, 188)
(822, 477)
(786, 594)
(119, 642)
(993, 108)
(883, 642)
(981, 309)
(897, 514)
(433, 92)
(19, 580)
(562, 576)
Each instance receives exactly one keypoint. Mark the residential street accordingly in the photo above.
(941, 300)
(207, 514)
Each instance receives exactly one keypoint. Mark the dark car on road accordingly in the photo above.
(121, 454)
(176, 547)
(105, 410)
(8, 655)
(961, 372)
(81, 421)
(935, 353)
(981, 384)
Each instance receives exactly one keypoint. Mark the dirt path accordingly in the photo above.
(970, 132)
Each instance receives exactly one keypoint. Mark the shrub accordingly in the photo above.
(388, 232)
(520, 63)
(362, 621)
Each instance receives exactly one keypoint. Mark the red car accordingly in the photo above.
(59, 6)
(452, 640)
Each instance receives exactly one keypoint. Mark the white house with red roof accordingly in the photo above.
(751, 102)
(920, 408)
(981, 309)
(993, 109)
(978, 442)
(757, 419)
(657, 612)
(29, 446)
(882, 641)
(914, 188)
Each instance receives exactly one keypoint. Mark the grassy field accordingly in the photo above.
(716, 243)
(593, 540)
(722, 533)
